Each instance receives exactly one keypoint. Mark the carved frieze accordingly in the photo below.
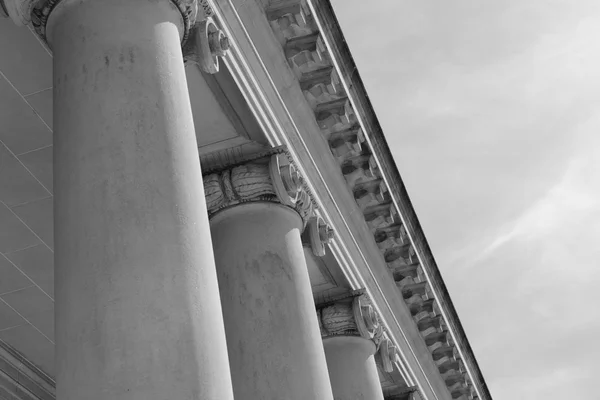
(269, 176)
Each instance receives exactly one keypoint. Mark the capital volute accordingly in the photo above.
(351, 318)
(17, 10)
(316, 235)
(204, 46)
(206, 41)
(388, 353)
(270, 176)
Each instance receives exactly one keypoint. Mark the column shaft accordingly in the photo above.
(137, 304)
(275, 347)
(352, 368)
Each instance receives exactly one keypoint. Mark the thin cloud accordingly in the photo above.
(491, 111)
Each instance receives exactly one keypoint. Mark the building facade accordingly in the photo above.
(228, 219)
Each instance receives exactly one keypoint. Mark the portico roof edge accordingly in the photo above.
(249, 70)
(364, 108)
(257, 51)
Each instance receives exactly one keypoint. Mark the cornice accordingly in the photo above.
(410, 393)
(419, 275)
(354, 316)
(345, 121)
(259, 66)
(317, 235)
(36, 12)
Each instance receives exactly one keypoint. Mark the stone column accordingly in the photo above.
(138, 314)
(351, 336)
(258, 210)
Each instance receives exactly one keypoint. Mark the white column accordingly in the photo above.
(138, 314)
(352, 368)
(351, 333)
(275, 350)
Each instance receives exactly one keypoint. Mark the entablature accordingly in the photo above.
(302, 78)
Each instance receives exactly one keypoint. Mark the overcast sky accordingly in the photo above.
(492, 111)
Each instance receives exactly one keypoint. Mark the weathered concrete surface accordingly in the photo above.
(352, 368)
(275, 347)
(137, 303)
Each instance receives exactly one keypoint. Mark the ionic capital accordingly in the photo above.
(270, 176)
(207, 42)
(18, 10)
(354, 317)
(205, 45)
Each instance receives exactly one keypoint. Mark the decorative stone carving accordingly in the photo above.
(206, 8)
(400, 257)
(389, 354)
(18, 10)
(347, 144)
(454, 371)
(414, 271)
(351, 318)
(290, 19)
(419, 289)
(361, 169)
(269, 176)
(335, 116)
(311, 60)
(439, 342)
(401, 392)
(3, 10)
(371, 193)
(431, 325)
(382, 216)
(316, 235)
(206, 44)
(36, 12)
(189, 12)
(392, 236)
(338, 319)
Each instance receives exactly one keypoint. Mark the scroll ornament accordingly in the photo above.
(316, 235)
(23, 12)
(206, 44)
(273, 178)
(357, 318)
(388, 353)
